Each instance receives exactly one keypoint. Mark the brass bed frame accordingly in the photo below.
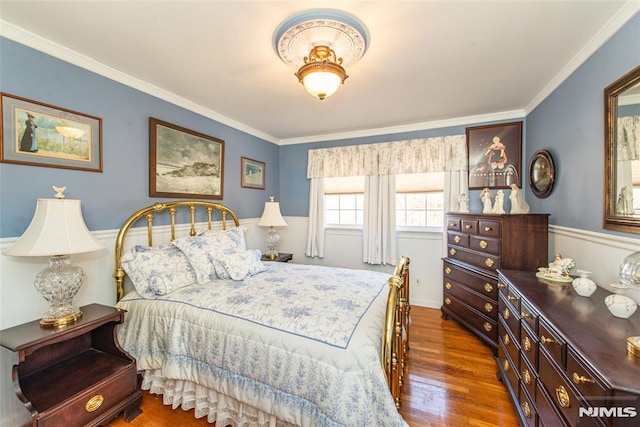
(395, 337)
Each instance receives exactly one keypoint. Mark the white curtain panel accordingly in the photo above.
(379, 228)
(315, 232)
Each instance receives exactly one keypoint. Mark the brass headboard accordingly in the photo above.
(171, 209)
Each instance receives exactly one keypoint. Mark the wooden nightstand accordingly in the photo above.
(282, 257)
(72, 376)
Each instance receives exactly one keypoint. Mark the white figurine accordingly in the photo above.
(486, 197)
(59, 191)
(498, 206)
(518, 204)
(463, 201)
(625, 201)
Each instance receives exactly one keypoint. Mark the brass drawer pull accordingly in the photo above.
(483, 244)
(488, 262)
(448, 285)
(505, 365)
(94, 403)
(579, 379)
(526, 344)
(468, 227)
(488, 307)
(447, 270)
(447, 300)
(526, 410)
(506, 314)
(488, 287)
(501, 285)
(563, 397)
(453, 225)
(452, 252)
(526, 376)
(525, 315)
(487, 228)
(506, 339)
(457, 239)
(511, 298)
(546, 340)
(487, 326)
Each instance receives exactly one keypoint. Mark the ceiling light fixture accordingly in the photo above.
(319, 45)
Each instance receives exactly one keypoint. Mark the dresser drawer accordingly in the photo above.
(509, 343)
(487, 261)
(482, 325)
(484, 244)
(584, 380)
(453, 223)
(529, 344)
(510, 316)
(559, 388)
(528, 408)
(469, 226)
(552, 342)
(509, 370)
(548, 415)
(528, 375)
(529, 315)
(483, 285)
(458, 239)
(489, 228)
(479, 302)
(96, 400)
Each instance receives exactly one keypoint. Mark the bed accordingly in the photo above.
(243, 342)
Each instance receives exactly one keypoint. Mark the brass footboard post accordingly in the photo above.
(395, 337)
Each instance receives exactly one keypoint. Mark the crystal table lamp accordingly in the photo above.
(271, 217)
(57, 230)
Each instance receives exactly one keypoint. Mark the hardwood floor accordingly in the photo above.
(451, 382)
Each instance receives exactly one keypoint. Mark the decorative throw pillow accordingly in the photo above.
(157, 270)
(202, 249)
(239, 265)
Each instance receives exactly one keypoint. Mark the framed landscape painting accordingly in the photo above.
(184, 163)
(37, 134)
(252, 174)
(495, 155)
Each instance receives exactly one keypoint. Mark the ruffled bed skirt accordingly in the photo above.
(217, 407)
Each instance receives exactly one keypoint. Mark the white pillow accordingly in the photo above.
(202, 249)
(239, 265)
(157, 270)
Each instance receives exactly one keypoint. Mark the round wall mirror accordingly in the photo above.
(541, 173)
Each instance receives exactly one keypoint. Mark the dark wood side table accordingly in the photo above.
(282, 257)
(72, 376)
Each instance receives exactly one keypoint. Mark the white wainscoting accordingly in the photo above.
(20, 302)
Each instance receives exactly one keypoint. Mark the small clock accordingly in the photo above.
(541, 173)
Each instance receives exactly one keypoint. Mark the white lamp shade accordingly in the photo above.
(57, 228)
(271, 217)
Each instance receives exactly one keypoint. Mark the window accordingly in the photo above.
(344, 201)
(419, 200)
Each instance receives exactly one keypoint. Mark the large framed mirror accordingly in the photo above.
(622, 153)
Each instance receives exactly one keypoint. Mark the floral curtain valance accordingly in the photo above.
(438, 154)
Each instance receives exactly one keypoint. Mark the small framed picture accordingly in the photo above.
(184, 163)
(252, 174)
(494, 153)
(38, 134)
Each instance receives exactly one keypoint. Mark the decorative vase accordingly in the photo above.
(584, 286)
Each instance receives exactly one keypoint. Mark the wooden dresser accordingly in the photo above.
(477, 245)
(563, 357)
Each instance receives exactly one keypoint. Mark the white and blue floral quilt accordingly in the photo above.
(299, 342)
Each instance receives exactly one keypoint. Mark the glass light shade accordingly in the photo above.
(630, 270)
(57, 230)
(321, 84)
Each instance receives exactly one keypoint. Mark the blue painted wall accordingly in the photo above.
(570, 124)
(109, 197)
